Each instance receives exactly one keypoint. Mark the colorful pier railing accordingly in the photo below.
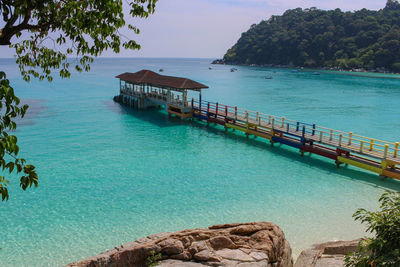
(344, 147)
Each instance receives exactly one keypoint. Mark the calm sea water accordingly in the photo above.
(109, 175)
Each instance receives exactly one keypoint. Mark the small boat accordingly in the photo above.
(316, 73)
(161, 70)
(210, 68)
(268, 77)
(233, 69)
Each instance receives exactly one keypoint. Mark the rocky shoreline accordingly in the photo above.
(242, 244)
(330, 254)
(258, 244)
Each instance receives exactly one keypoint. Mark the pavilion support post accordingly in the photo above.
(168, 98)
(183, 103)
(200, 101)
(184, 98)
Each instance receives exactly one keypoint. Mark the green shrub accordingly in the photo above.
(153, 259)
(384, 248)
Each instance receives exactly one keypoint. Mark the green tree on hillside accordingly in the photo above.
(43, 33)
(318, 38)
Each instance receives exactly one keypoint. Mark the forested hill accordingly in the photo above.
(318, 38)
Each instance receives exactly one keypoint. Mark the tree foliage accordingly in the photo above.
(384, 248)
(44, 33)
(10, 110)
(318, 38)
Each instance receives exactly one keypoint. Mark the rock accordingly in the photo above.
(234, 254)
(175, 263)
(219, 242)
(185, 256)
(242, 244)
(219, 61)
(326, 254)
(171, 246)
(206, 255)
(259, 256)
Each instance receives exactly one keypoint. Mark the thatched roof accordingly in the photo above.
(149, 77)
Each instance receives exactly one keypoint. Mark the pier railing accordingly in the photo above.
(152, 95)
(371, 147)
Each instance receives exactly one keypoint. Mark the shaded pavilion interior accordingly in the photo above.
(146, 88)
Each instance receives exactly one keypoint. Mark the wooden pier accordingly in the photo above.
(144, 89)
(343, 147)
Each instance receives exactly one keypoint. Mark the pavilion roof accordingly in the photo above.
(151, 78)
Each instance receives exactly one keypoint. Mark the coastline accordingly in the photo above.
(347, 72)
(233, 244)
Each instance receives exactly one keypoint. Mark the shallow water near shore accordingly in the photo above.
(110, 175)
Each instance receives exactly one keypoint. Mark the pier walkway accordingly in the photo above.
(344, 147)
(145, 89)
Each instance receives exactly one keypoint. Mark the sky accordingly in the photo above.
(208, 28)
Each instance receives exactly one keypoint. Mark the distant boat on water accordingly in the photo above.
(233, 69)
(268, 77)
(316, 73)
(161, 70)
(209, 68)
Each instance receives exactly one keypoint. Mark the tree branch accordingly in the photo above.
(9, 30)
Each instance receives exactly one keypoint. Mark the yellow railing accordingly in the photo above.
(347, 140)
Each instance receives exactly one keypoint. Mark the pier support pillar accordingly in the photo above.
(338, 163)
(382, 177)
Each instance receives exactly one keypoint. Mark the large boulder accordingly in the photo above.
(326, 254)
(239, 244)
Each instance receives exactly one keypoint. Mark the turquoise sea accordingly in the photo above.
(110, 175)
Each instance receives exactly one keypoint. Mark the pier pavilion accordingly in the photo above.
(146, 88)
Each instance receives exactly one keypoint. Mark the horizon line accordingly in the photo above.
(110, 57)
